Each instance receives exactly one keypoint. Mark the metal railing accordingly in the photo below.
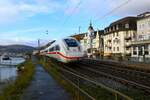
(80, 79)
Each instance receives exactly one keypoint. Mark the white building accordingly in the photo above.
(118, 36)
(92, 41)
(141, 43)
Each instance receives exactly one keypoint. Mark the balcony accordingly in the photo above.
(108, 45)
(141, 42)
(127, 45)
(128, 38)
(109, 40)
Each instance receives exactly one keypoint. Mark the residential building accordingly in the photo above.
(141, 43)
(118, 36)
(91, 41)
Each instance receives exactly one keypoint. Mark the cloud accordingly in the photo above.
(96, 9)
(72, 6)
(81, 11)
(25, 36)
(11, 10)
(123, 8)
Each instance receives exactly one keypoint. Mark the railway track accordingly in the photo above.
(124, 77)
(138, 79)
(126, 74)
(88, 78)
(92, 71)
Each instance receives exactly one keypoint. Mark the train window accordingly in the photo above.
(71, 42)
(51, 49)
(57, 48)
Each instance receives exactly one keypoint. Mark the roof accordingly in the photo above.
(119, 25)
(124, 20)
(143, 15)
(81, 36)
(90, 27)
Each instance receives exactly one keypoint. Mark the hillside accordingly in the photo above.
(16, 49)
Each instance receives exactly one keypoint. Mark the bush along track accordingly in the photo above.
(14, 90)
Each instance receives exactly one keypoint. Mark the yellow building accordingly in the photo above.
(118, 36)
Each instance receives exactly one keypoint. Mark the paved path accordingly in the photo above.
(44, 87)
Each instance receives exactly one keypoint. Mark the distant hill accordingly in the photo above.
(16, 49)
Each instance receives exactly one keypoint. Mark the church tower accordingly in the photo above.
(90, 36)
(90, 30)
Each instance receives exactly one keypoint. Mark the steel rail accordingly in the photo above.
(121, 79)
(119, 70)
(98, 84)
(76, 86)
(117, 67)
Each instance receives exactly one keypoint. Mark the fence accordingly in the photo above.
(85, 86)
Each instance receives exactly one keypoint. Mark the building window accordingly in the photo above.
(113, 28)
(134, 51)
(134, 36)
(117, 27)
(146, 50)
(114, 41)
(117, 34)
(117, 48)
(149, 24)
(143, 25)
(127, 34)
(113, 34)
(127, 25)
(114, 48)
(140, 37)
(127, 48)
(140, 50)
(109, 48)
(139, 26)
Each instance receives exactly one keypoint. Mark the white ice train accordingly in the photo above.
(64, 50)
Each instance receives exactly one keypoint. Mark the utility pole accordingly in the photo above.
(79, 29)
(39, 46)
(38, 43)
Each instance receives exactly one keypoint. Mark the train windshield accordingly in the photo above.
(71, 42)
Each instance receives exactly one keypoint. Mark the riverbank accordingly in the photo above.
(14, 90)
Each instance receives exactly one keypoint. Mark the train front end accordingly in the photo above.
(73, 50)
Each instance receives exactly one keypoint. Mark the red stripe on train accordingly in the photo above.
(63, 55)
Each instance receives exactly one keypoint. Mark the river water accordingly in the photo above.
(8, 73)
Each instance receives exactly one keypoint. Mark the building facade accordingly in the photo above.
(91, 41)
(141, 43)
(118, 36)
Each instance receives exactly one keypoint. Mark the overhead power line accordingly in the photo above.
(71, 14)
(115, 9)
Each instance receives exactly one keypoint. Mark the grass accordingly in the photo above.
(15, 89)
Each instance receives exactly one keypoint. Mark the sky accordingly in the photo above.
(26, 21)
